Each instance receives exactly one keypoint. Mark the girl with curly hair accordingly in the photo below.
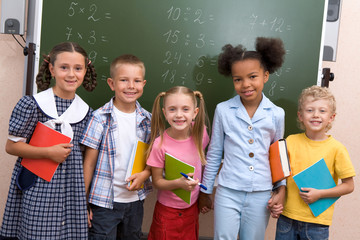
(243, 129)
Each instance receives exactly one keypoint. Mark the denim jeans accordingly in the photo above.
(122, 222)
(240, 213)
(290, 229)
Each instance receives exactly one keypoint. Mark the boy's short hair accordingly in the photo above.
(317, 93)
(126, 59)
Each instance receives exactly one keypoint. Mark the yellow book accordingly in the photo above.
(137, 160)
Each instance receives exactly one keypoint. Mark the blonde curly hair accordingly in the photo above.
(317, 93)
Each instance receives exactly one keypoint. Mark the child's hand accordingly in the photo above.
(276, 202)
(310, 195)
(275, 210)
(90, 216)
(186, 184)
(59, 152)
(138, 179)
(205, 202)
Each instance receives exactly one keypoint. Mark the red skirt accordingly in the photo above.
(172, 224)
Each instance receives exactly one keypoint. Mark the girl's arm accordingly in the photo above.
(161, 183)
(311, 195)
(57, 153)
(215, 152)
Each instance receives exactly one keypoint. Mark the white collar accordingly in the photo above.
(76, 112)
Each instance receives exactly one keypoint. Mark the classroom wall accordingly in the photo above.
(346, 127)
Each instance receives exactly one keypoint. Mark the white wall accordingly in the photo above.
(346, 127)
(11, 86)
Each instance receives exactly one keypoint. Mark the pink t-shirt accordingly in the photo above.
(186, 151)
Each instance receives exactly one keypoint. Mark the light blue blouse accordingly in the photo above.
(245, 143)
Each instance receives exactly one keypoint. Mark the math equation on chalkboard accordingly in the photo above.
(180, 41)
(187, 38)
(179, 58)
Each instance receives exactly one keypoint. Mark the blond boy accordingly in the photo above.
(316, 112)
(116, 210)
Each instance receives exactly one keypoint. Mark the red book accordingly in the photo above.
(279, 161)
(44, 136)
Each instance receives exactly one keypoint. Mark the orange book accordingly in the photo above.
(279, 161)
(44, 136)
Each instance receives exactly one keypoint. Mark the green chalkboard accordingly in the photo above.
(179, 42)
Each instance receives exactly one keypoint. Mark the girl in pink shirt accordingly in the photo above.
(185, 139)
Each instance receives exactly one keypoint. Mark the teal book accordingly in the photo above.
(173, 167)
(317, 176)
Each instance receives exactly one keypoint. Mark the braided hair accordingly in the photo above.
(44, 77)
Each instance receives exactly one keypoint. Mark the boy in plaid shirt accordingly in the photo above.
(115, 209)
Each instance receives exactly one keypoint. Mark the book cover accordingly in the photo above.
(279, 161)
(317, 176)
(137, 160)
(44, 136)
(173, 167)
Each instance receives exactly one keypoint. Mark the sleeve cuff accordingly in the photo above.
(17, 139)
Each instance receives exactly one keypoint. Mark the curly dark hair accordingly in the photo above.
(44, 76)
(269, 51)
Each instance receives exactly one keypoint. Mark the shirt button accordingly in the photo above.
(251, 168)
(63, 223)
(250, 128)
(251, 154)
(251, 141)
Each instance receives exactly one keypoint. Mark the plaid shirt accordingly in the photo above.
(99, 135)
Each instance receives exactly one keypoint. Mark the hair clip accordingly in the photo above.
(89, 63)
(46, 60)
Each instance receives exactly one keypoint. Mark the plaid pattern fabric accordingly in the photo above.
(99, 134)
(48, 210)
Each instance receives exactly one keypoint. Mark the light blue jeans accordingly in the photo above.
(290, 229)
(240, 213)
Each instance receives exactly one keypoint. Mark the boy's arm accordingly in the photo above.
(310, 195)
(138, 179)
(161, 183)
(90, 160)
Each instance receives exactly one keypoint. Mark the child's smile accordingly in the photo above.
(179, 110)
(249, 79)
(316, 116)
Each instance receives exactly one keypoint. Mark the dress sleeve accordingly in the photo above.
(24, 118)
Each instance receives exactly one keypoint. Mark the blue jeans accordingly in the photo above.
(240, 213)
(122, 222)
(290, 229)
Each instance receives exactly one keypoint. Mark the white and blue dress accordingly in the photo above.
(55, 209)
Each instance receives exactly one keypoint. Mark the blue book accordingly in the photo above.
(317, 176)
